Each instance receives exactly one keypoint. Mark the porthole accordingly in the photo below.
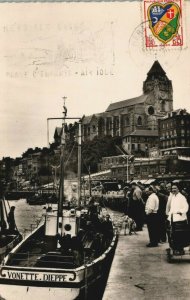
(67, 227)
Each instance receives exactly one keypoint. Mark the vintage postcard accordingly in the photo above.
(121, 70)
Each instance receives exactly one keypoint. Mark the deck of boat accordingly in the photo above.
(35, 253)
(29, 253)
(43, 260)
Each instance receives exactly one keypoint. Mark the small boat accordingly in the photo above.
(41, 199)
(67, 255)
(8, 238)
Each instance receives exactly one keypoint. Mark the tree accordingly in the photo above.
(93, 151)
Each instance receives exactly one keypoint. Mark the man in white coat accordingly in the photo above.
(177, 209)
(151, 210)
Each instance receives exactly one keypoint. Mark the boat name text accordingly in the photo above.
(34, 276)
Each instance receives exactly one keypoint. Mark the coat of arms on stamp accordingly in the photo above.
(163, 21)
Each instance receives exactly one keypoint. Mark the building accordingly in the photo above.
(134, 120)
(144, 168)
(174, 133)
(119, 165)
(131, 118)
(140, 141)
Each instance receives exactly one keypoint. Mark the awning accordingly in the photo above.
(48, 185)
(143, 181)
(25, 183)
(176, 180)
(134, 181)
(149, 181)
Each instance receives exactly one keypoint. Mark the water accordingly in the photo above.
(27, 216)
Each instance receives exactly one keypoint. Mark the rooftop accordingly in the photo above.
(126, 103)
(177, 112)
(156, 69)
(143, 132)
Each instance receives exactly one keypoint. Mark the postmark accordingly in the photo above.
(58, 49)
(163, 24)
(140, 54)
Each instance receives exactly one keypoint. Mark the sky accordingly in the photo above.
(92, 53)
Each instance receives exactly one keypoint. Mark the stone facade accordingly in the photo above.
(174, 133)
(141, 113)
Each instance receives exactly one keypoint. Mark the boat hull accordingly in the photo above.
(26, 283)
(15, 292)
(5, 249)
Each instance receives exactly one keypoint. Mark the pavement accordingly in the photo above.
(138, 272)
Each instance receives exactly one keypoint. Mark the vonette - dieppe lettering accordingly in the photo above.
(53, 277)
(22, 275)
(33, 276)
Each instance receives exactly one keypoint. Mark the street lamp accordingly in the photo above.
(128, 157)
(127, 168)
(90, 188)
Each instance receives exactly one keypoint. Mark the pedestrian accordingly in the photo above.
(169, 193)
(107, 230)
(11, 219)
(126, 200)
(163, 198)
(136, 206)
(151, 210)
(92, 208)
(177, 215)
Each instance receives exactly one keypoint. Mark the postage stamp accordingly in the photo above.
(163, 23)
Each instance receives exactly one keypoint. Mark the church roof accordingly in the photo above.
(143, 132)
(88, 119)
(156, 69)
(126, 103)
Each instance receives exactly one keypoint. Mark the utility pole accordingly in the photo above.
(127, 168)
(79, 164)
(61, 186)
(90, 191)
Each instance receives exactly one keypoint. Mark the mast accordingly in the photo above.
(79, 164)
(61, 184)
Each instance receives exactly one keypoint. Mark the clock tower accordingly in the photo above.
(159, 86)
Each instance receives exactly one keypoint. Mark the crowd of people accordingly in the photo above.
(161, 206)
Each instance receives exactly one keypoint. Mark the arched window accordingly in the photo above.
(163, 105)
(127, 122)
(117, 123)
(139, 121)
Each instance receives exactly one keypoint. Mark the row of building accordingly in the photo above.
(36, 167)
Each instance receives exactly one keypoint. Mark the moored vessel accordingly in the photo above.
(67, 254)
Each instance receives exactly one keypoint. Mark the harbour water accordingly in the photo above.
(27, 216)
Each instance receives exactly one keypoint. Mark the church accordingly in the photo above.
(135, 120)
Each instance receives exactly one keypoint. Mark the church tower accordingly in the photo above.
(160, 86)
